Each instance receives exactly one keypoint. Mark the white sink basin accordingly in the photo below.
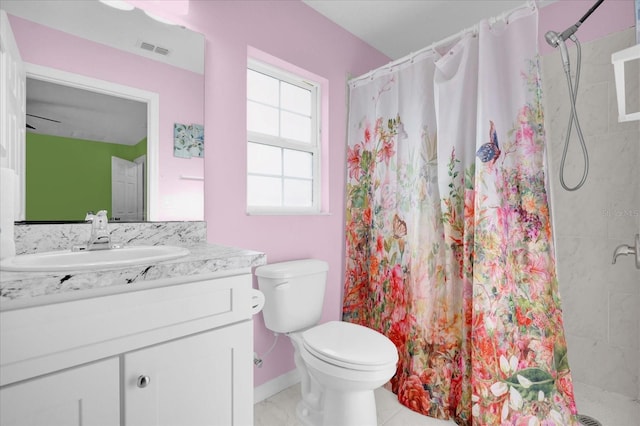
(67, 260)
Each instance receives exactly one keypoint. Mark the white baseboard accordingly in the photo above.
(273, 386)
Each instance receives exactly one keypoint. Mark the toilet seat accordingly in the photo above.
(350, 346)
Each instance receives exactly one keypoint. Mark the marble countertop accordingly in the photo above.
(203, 259)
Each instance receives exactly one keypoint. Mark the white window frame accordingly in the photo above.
(313, 147)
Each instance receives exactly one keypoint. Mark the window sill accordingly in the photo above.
(270, 212)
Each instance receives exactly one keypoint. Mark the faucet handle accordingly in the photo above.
(624, 249)
(100, 220)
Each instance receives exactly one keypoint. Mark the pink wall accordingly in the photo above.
(295, 33)
(610, 17)
(181, 101)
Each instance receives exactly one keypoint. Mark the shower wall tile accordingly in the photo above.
(588, 299)
(616, 369)
(580, 290)
(579, 213)
(623, 319)
(601, 301)
(622, 210)
(592, 113)
(580, 352)
(612, 150)
(596, 57)
(576, 252)
(608, 367)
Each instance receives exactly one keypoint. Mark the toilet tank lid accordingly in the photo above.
(293, 268)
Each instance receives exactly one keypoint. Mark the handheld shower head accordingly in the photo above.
(564, 53)
(557, 40)
(553, 38)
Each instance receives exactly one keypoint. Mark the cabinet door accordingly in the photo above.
(86, 395)
(204, 379)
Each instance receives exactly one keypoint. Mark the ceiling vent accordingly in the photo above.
(147, 46)
(153, 48)
(162, 50)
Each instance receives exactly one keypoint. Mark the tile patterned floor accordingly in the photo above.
(609, 408)
(280, 410)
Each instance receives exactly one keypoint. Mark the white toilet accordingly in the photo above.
(340, 363)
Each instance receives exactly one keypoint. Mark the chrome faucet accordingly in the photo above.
(625, 249)
(100, 238)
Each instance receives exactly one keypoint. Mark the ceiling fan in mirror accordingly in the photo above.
(29, 126)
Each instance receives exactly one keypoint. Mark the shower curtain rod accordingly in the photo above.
(504, 16)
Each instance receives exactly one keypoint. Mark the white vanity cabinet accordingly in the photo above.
(86, 395)
(189, 381)
(170, 353)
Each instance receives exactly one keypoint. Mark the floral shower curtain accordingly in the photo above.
(448, 236)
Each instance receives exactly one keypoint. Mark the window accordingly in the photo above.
(283, 147)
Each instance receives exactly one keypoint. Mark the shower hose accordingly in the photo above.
(573, 118)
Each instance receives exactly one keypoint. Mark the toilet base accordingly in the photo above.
(307, 417)
(340, 408)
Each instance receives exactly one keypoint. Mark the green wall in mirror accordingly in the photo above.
(68, 177)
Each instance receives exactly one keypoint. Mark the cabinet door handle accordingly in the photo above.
(143, 381)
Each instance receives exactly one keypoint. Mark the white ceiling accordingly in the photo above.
(81, 114)
(121, 29)
(93, 116)
(400, 27)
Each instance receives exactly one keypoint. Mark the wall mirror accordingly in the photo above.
(104, 83)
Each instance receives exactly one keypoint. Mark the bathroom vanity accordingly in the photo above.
(163, 344)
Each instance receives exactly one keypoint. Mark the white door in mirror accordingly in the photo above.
(126, 190)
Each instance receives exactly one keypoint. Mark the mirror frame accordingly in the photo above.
(152, 100)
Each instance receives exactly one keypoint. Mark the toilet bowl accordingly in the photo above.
(348, 362)
(340, 363)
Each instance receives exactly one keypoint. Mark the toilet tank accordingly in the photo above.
(293, 293)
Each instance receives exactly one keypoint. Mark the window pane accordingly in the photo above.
(298, 164)
(282, 123)
(262, 119)
(295, 99)
(262, 88)
(264, 191)
(296, 127)
(298, 193)
(264, 159)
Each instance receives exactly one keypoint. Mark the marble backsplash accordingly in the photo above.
(33, 238)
